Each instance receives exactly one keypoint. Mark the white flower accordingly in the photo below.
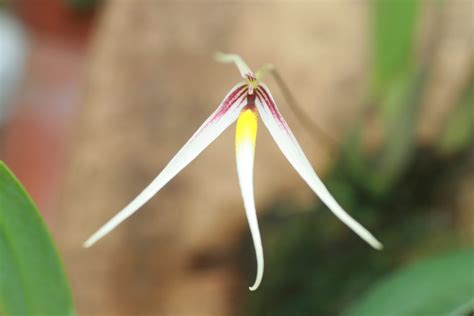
(242, 103)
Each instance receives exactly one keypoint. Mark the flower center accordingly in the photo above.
(252, 82)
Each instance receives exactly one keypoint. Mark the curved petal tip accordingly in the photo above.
(377, 245)
(259, 278)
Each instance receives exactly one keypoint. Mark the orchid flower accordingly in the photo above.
(242, 103)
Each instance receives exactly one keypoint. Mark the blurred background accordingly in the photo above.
(97, 96)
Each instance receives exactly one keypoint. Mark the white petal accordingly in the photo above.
(226, 114)
(237, 60)
(246, 132)
(288, 144)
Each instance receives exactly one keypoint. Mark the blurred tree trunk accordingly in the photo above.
(152, 82)
(138, 112)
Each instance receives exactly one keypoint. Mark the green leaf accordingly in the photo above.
(399, 112)
(380, 169)
(439, 286)
(32, 280)
(394, 26)
(398, 83)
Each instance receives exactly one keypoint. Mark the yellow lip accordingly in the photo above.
(246, 130)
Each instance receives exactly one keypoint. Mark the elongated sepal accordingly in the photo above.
(244, 70)
(288, 144)
(226, 114)
(263, 71)
(246, 133)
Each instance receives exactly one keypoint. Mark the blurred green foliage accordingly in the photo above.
(443, 285)
(316, 266)
(394, 23)
(397, 88)
(32, 280)
(401, 191)
(379, 170)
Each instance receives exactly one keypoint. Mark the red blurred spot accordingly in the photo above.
(38, 134)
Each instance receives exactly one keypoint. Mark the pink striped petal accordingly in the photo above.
(226, 114)
(288, 144)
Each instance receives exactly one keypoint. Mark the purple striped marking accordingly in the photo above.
(267, 100)
(250, 101)
(228, 103)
